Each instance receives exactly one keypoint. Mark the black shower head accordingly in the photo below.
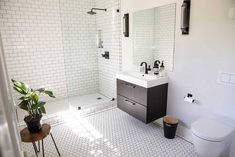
(93, 13)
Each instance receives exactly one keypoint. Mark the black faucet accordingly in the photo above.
(146, 69)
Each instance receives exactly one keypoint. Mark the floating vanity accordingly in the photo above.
(144, 96)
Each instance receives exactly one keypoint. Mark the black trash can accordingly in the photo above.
(170, 126)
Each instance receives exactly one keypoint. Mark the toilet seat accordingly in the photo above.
(211, 130)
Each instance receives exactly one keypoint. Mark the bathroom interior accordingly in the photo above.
(130, 77)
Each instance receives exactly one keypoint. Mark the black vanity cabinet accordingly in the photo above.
(145, 104)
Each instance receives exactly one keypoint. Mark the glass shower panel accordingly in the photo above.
(79, 43)
(87, 34)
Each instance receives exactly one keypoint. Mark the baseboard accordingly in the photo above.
(182, 131)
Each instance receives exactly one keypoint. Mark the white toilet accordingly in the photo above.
(211, 138)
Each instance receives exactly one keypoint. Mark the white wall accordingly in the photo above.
(198, 58)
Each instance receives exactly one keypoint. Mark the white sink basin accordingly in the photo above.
(143, 80)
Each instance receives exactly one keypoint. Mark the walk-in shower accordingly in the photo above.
(62, 50)
(93, 13)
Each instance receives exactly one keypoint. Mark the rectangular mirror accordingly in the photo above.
(154, 35)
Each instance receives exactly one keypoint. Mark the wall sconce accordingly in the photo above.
(126, 25)
(185, 16)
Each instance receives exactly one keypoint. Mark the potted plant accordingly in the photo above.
(29, 101)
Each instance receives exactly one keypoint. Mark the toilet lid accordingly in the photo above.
(211, 130)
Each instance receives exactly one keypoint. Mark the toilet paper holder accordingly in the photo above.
(189, 98)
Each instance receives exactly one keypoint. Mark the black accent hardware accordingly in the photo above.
(93, 13)
(129, 102)
(149, 69)
(130, 85)
(106, 55)
(126, 25)
(145, 67)
(156, 64)
(189, 95)
(185, 16)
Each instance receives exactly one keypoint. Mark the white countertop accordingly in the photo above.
(143, 80)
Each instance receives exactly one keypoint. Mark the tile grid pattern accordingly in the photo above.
(109, 23)
(79, 32)
(112, 133)
(51, 43)
(32, 40)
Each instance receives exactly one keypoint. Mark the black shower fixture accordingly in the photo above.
(185, 16)
(93, 13)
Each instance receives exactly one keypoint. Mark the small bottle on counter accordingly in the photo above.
(162, 70)
(156, 67)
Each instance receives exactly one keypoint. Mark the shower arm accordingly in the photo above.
(98, 9)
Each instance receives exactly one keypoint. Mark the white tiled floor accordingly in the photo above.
(111, 133)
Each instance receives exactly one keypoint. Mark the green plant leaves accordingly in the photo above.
(23, 105)
(40, 90)
(20, 87)
(30, 99)
(19, 90)
(41, 106)
(34, 97)
(49, 93)
(42, 109)
(43, 90)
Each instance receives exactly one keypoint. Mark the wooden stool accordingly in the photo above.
(28, 137)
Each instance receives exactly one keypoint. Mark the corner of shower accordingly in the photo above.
(81, 60)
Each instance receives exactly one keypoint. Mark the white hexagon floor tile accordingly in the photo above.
(111, 133)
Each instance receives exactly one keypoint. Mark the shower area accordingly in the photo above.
(71, 47)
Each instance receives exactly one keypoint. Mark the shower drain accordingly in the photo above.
(99, 98)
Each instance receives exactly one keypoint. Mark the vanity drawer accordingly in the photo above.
(132, 91)
(137, 110)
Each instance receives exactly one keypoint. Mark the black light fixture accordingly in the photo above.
(126, 25)
(185, 16)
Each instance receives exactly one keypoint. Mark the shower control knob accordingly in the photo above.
(105, 55)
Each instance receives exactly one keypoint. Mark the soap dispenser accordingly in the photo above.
(156, 67)
(162, 70)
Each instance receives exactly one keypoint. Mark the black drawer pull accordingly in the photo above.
(129, 102)
(130, 85)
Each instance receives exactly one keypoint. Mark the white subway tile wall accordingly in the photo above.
(109, 23)
(32, 41)
(51, 43)
(79, 32)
